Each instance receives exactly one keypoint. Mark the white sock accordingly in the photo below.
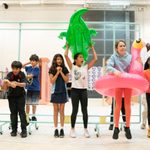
(55, 128)
(33, 115)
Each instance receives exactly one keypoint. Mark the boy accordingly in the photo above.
(33, 87)
(15, 83)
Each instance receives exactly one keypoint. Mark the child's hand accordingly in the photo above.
(29, 76)
(92, 47)
(117, 73)
(13, 84)
(6, 81)
(59, 69)
(67, 46)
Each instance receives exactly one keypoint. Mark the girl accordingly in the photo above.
(147, 75)
(120, 62)
(58, 77)
(79, 73)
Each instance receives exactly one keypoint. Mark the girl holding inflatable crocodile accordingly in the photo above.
(79, 73)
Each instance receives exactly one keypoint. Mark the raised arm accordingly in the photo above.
(93, 61)
(23, 66)
(67, 58)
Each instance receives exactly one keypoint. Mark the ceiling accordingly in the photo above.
(85, 3)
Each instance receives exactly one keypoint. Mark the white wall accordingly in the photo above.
(44, 43)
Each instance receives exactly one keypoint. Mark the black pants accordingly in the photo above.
(76, 96)
(17, 105)
(148, 107)
(122, 110)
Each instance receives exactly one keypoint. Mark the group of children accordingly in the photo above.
(59, 75)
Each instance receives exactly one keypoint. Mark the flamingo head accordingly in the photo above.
(138, 44)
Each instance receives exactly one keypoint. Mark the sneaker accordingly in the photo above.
(111, 127)
(28, 121)
(148, 133)
(34, 118)
(143, 126)
(56, 133)
(61, 133)
(13, 133)
(128, 133)
(72, 133)
(86, 133)
(23, 134)
(116, 133)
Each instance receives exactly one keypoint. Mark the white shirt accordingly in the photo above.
(79, 77)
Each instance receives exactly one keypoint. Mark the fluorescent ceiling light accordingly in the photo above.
(119, 3)
(77, 2)
(22, 2)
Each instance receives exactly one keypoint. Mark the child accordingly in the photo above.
(58, 78)
(147, 75)
(120, 62)
(15, 83)
(79, 74)
(33, 86)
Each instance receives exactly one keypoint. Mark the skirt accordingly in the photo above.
(59, 98)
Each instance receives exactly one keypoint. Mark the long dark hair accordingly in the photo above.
(147, 66)
(75, 57)
(54, 63)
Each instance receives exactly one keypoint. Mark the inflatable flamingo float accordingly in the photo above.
(134, 80)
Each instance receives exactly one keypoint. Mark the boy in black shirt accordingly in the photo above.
(15, 83)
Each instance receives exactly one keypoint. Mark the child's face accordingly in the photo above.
(59, 61)
(33, 63)
(79, 61)
(16, 70)
(121, 49)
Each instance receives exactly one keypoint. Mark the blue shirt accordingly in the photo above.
(119, 63)
(35, 71)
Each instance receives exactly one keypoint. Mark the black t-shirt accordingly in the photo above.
(59, 86)
(20, 77)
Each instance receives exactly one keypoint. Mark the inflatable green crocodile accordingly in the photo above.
(78, 35)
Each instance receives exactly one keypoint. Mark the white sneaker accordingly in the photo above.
(72, 133)
(86, 133)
